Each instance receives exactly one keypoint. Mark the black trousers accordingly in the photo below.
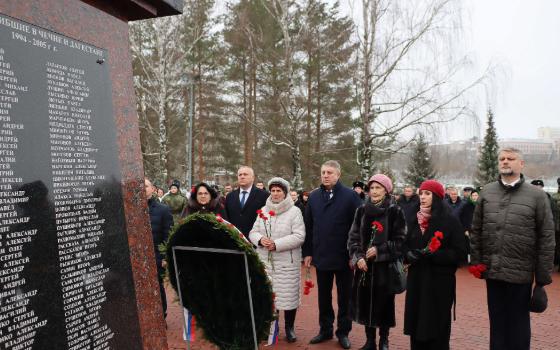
(508, 308)
(435, 344)
(343, 291)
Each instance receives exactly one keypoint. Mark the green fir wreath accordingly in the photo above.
(213, 285)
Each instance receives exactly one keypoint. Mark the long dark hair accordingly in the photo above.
(439, 207)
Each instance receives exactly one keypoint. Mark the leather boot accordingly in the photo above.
(384, 338)
(370, 342)
(289, 320)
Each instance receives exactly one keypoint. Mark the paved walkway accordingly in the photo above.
(469, 332)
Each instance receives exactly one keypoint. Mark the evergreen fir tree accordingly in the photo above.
(420, 167)
(488, 161)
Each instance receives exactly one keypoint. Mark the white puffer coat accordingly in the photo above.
(288, 234)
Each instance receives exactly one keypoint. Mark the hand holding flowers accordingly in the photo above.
(376, 229)
(267, 240)
(308, 284)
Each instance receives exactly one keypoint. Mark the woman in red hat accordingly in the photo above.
(434, 247)
(375, 239)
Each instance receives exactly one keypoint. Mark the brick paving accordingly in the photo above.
(469, 332)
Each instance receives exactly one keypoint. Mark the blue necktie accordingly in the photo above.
(243, 194)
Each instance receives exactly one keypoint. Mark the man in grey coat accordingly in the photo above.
(513, 235)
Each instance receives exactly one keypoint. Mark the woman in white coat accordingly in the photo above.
(279, 233)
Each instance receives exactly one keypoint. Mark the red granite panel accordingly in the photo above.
(81, 21)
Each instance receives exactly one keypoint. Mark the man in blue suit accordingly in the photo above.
(328, 218)
(243, 203)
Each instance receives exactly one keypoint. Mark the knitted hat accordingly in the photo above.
(280, 182)
(358, 184)
(383, 180)
(434, 187)
(175, 183)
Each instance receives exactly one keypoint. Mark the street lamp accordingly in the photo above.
(191, 81)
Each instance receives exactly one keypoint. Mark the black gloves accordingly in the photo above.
(414, 255)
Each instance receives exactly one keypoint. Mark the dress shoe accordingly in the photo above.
(319, 338)
(290, 335)
(344, 342)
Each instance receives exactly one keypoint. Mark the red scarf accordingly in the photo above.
(424, 216)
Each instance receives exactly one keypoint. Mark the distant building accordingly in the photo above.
(548, 133)
(535, 147)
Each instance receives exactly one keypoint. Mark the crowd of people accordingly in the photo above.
(356, 237)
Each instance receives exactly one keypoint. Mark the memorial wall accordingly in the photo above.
(65, 278)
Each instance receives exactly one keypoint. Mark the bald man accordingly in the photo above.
(243, 203)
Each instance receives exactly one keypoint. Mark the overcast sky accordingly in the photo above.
(523, 37)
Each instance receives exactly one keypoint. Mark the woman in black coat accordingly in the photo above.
(431, 276)
(204, 199)
(373, 305)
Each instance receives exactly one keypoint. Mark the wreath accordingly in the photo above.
(213, 285)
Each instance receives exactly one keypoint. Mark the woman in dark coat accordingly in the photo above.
(372, 304)
(204, 199)
(431, 276)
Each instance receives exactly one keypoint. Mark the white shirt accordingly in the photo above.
(511, 184)
(246, 195)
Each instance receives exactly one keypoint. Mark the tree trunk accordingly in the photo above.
(296, 164)
(201, 129)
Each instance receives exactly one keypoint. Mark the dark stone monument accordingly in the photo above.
(77, 268)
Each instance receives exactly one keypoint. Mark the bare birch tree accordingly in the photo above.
(409, 73)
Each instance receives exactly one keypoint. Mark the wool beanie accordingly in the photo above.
(280, 182)
(434, 187)
(175, 183)
(383, 180)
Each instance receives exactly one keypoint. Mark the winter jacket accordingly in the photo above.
(372, 303)
(556, 201)
(466, 215)
(284, 264)
(513, 233)
(215, 207)
(327, 222)
(456, 207)
(244, 218)
(410, 207)
(431, 280)
(176, 202)
(161, 221)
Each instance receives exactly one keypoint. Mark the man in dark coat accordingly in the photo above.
(513, 235)
(556, 198)
(455, 202)
(243, 203)
(161, 221)
(328, 217)
(409, 203)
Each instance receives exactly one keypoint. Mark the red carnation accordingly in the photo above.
(306, 291)
(377, 226)
(264, 218)
(434, 244)
(259, 212)
(272, 213)
(477, 270)
(439, 234)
